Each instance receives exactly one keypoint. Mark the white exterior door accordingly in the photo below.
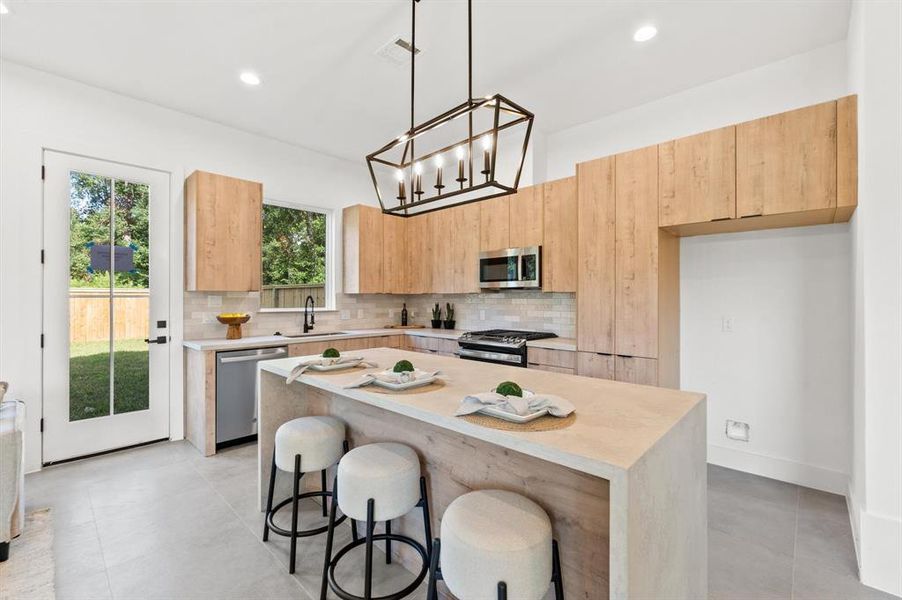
(106, 309)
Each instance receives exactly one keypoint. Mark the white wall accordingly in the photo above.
(45, 111)
(782, 369)
(875, 73)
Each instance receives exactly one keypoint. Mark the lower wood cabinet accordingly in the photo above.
(547, 359)
(631, 369)
(343, 345)
(592, 364)
(430, 345)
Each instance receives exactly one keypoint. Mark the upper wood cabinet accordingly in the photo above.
(223, 233)
(494, 224)
(526, 217)
(420, 240)
(846, 157)
(395, 271)
(595, 256)
(362, 239)
(697, 178)
(559, 248)
(464, 256)
(636, 251)
(787, 162)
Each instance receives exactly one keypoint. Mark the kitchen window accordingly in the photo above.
(297, 257)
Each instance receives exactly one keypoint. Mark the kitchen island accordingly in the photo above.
(624, 485)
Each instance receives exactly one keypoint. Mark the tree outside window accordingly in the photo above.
(294, 256)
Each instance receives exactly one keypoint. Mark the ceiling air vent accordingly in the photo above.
(396, 51)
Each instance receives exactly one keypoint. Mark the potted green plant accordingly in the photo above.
(449, 316)
(437, 316)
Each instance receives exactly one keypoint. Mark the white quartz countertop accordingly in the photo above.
(616, 423)
(268, 341)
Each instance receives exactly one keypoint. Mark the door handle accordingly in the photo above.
(160, 339)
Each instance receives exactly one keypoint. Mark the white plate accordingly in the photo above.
(336, 366)
(404, 386)
(512, 417)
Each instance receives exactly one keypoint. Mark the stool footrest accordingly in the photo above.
(307, 532)
(345, 595)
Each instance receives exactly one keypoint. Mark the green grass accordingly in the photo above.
(89, 378)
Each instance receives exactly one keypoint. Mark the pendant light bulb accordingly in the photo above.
(399, 175)
(460, 152)
(418, 168)
(439, 160)
(487, 142)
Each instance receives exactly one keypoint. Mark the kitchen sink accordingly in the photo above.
(313, 334)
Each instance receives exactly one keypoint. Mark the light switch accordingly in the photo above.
(726, 324)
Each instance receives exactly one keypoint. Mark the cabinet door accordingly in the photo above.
(591, 364)
(441, 225)
(419, 244)
(565, 359)
(636, 293)
(494, 224)
(362, 240)
(595, 256)
(698, 178)
(464, 240)
(559, 248)
(631, 369)
(223, 233)
(526, 217)
(846, 157)
(787, 162)
(394, 254)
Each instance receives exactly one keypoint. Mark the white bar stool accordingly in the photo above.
(377, 482)
(303, 445)
(495, 544)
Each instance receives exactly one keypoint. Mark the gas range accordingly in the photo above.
(502, 346)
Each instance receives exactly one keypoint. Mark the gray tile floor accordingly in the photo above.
(162, 522)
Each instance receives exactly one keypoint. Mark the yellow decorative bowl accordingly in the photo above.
(234, 322)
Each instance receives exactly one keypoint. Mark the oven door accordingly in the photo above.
(500, 356)
(513, 268)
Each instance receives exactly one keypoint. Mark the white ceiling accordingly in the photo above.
(324, 88)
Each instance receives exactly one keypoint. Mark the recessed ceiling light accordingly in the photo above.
(4, 10)
(645, 33)
(250, 78)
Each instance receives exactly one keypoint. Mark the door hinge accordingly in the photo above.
(42, 340)
(43, 172)
(42, 424)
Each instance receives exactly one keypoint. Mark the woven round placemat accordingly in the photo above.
(546, 423)
(432, 387)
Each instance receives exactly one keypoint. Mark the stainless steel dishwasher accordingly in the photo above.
(236, 388)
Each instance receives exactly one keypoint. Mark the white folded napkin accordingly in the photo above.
(391, 377)
(310, 361)
(528, 404)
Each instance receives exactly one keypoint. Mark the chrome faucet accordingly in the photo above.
(309, 301)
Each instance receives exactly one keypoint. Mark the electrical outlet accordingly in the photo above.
(345, 315)
(359, 313)
(737, 430)
(214, 301)
(726, 324)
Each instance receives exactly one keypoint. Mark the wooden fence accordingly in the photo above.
(89, 314)
(292, 296)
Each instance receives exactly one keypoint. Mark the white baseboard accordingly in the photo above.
(881, 552)
(779, 468)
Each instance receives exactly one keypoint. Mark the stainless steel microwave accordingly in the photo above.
(513, 268)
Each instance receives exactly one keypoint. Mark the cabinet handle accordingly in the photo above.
(722, 219)
(750, 216)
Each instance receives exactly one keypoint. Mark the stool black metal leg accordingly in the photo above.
(502, 590)
(388, 543)
(556, 575)
(323, 484)
(370, 524)
(354, 535)
(294, 511)
(431, 592)
(427, 523)
(272, 489)
(329, 537)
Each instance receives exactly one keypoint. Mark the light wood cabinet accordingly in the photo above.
(526, 217)
(636, 252)
(595, 256)
(846, 158)
(362, 241)
(787, 162)
(223, 233)
(464, 248)
(430, 345)
(548, 359)
(592, 364)
(631, 369)
(697, 178)
(494, 223)
(395, 270)
(420, 241)
(559, 249)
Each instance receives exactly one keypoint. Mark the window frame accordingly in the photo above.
(330, 255)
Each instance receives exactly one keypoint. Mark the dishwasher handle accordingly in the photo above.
(253, 357)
